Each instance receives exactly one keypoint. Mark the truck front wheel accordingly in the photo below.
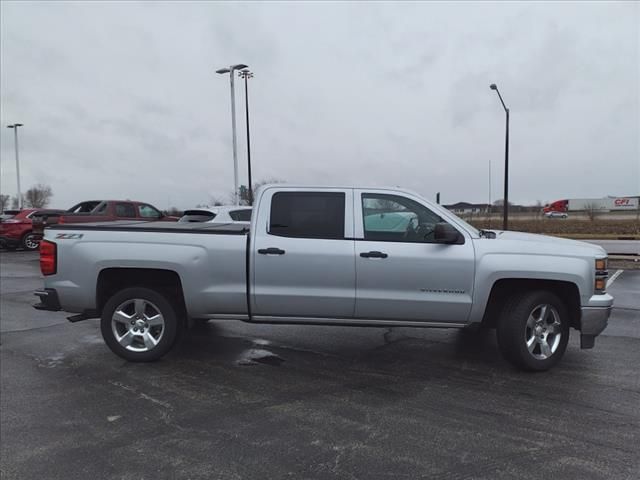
(533, 330)
(139, 324)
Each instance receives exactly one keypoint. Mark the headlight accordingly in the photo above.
(600, 285)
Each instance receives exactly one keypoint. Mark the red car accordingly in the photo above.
(16, 229)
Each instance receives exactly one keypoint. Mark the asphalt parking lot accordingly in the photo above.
(242, 401)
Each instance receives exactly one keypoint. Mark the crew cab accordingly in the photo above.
(372, 257)
(104, 211)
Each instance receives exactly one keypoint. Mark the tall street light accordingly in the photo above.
(230, 70)
(15, 137)
(246, 74)
(505, 219)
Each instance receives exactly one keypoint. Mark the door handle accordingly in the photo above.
(271, 251)
(374, 254)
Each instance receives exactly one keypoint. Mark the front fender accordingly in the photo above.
(493, 267)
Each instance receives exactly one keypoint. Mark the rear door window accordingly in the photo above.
(243, 215)
(125, 210)
(307, 215)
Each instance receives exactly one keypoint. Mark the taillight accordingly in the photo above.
(48, 260)
(60, 220)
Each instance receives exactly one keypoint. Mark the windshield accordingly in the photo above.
(197, 216)
(447, 213)
(84, 207)
(467, 225)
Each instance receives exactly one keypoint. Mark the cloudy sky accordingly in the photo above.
(120, 99)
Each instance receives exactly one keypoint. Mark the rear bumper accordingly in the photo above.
(48, 300)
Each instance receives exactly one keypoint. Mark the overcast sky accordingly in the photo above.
(120, 99)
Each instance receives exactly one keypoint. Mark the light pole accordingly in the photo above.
(489, 204)
(15, 137)
(246, 74)
(505, 219)
(230, 70)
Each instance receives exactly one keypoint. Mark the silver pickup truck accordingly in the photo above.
(328, 256)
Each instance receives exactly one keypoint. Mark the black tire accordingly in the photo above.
(517, 324)
(153, 300)
(29, 242)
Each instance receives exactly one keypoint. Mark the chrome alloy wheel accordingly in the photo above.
(137, 325)
(543, 331)
(30, 242)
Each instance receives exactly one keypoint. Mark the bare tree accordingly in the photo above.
(215, 201)
(500, 202)
(245, 198)
(14, 202)
(591, 209)
(4, 202)
(538, 210)
(38, 196)
(174, 212)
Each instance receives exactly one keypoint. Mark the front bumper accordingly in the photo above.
(48, 300)
(594, 319)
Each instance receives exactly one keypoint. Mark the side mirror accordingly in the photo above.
(446, 234)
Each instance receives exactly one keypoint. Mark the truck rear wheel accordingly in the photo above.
(533, 330)
(139, 324)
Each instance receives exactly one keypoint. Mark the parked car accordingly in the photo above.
(554, 214)
(222, 214)
(319, 256)
(104, 211)
(16, 227)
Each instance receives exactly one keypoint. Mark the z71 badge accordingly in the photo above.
(69, 236)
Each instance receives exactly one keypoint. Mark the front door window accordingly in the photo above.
(397, 219)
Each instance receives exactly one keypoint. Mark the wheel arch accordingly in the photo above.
(505, 288)
(167, 282)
